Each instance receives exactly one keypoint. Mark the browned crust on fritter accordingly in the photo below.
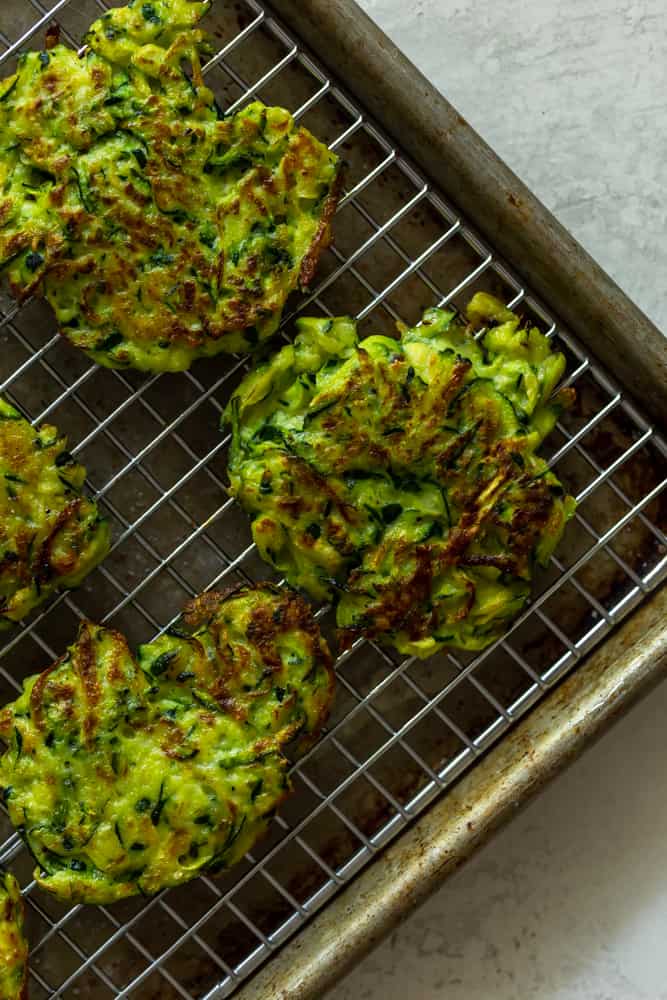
(44, 566)
(13, 912)
(263, 630)
(322, 238)
(400, 607)
(87, 670)
(37, 695)
(90, 684)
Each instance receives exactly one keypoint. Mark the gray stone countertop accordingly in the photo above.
(570, 901)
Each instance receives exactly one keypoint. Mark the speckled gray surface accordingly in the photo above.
(573, 95)
(570, 902)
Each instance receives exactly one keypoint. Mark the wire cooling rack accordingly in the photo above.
(401, 731)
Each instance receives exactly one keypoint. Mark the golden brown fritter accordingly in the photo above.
(129, 774)
(159, 230)
(51, 535)
(399, 479)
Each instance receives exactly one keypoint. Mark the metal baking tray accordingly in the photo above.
(429, 216)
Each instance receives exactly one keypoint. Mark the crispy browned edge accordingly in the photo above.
(323, 236)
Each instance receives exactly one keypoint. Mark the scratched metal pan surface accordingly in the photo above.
(402, 731)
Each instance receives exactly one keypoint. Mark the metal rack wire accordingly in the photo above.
(402, 731)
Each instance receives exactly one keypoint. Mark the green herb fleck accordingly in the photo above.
(161, 663)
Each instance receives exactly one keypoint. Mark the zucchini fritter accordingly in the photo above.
(129, 774)
(13, 942)
(399, 477)
(51, 535)
(159, 230)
